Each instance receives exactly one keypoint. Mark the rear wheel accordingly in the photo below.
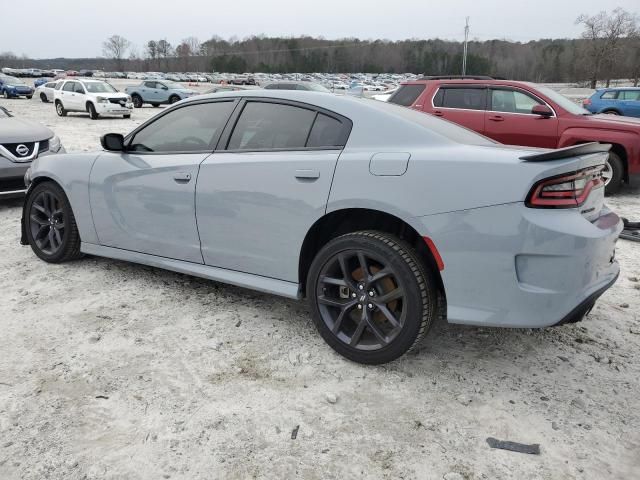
(60, 109)
(6, 95)
(174, 99)
(371, 297)
(44, 98)
(50, 225)
(156, 105)
(612, 174)
(29, 97)
(611, 112)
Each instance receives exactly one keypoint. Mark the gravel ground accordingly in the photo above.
(111, 370)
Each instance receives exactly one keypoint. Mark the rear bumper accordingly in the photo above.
(513, 266)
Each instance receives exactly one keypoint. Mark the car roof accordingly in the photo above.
(619, 88)
(468, 81)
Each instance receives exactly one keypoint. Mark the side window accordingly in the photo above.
(271, 126)
(511, 101)
(271, 86)
(78, 88)
(609, 95)
(326, 132)
(69, 86)
(630, 95)
(407, 94)
(193, 128)
(58, 86)
(438, 97)
(150, 84)
(467, 98)
(50, 85)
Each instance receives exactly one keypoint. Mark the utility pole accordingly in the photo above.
(464, 53)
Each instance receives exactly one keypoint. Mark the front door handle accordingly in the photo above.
(307, 174)
(438, 113)
(497, 118)
(182, 177)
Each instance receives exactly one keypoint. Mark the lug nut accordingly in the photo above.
(361, 287)
(359, 306)
(370, 305)
(372, 293)
(353, 295)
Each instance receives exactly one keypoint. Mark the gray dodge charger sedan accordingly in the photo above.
(382, 217)
(20, 142)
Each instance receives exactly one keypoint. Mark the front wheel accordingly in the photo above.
(44, 98)
(50, 225)
(613, 174)
(29, 97)
(137, 101)
(371, 297)
(92, 111)
(60, 109)
(6, 94)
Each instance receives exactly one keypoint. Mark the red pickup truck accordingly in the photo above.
(522, 113)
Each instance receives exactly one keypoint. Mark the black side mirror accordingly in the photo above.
(112, 142)
(542, 110)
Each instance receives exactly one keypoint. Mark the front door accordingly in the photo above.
(143, 199)
(630, 102)
(256, 200)
(509, 120)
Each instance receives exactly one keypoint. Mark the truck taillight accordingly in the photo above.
(566, 190)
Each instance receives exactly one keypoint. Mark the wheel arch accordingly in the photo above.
(617, 148)
(348, 220)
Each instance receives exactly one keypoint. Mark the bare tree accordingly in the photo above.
(603, 33)
(115, 47)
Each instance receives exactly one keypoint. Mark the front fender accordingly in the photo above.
(71, 172)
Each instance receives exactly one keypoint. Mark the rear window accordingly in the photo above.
(407, 94)
(326, 132)
(467, 98)
(610, 95)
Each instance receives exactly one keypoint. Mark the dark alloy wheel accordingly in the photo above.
(60, 109)
(92, 111)
(137, 101)
(174, 99)
(371, 297)
(50, 225)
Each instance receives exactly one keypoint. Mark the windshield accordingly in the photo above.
(173, 85)
(11, 80)
(98, 87)
(318, 88)
(563, 101)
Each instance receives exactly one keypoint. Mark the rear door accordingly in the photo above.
(630, 102)
(509, 119)
(258, 195)
(148, 91)
(143, 199)
(461, 104)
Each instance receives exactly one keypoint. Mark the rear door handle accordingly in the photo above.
(497, 118)
(308, 174)
(438, 113)
(182, 177)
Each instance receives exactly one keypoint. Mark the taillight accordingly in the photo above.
(586, 101)
(566, 190)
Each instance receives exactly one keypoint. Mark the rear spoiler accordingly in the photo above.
(568, 152)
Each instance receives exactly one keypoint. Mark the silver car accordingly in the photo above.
(382, 217)
(20, 142)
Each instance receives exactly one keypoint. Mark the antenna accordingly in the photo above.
(464, 52)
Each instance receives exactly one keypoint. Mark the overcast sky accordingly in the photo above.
(74, 28)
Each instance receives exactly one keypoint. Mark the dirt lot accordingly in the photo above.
(111, 370)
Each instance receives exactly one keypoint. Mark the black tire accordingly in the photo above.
(29, 97)
(174, 99)
(348, 307)
(92, 111)
(611, 112)
(156, 105)
(6, 95)
(127, 116)
(48, 211)
(614, 173)
(137, 101)
(60, 109)
(44, 98)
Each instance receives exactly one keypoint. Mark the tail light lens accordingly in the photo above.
(567, 190)
(586, 101)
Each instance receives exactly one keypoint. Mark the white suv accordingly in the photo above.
(93, 96)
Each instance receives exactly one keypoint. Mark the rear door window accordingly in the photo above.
(326, 132)
(268, 126)
(407, 94)
(465, 98)
(629, 95)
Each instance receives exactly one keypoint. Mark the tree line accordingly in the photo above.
(608, 48)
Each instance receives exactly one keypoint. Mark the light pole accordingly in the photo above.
(464, 52)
